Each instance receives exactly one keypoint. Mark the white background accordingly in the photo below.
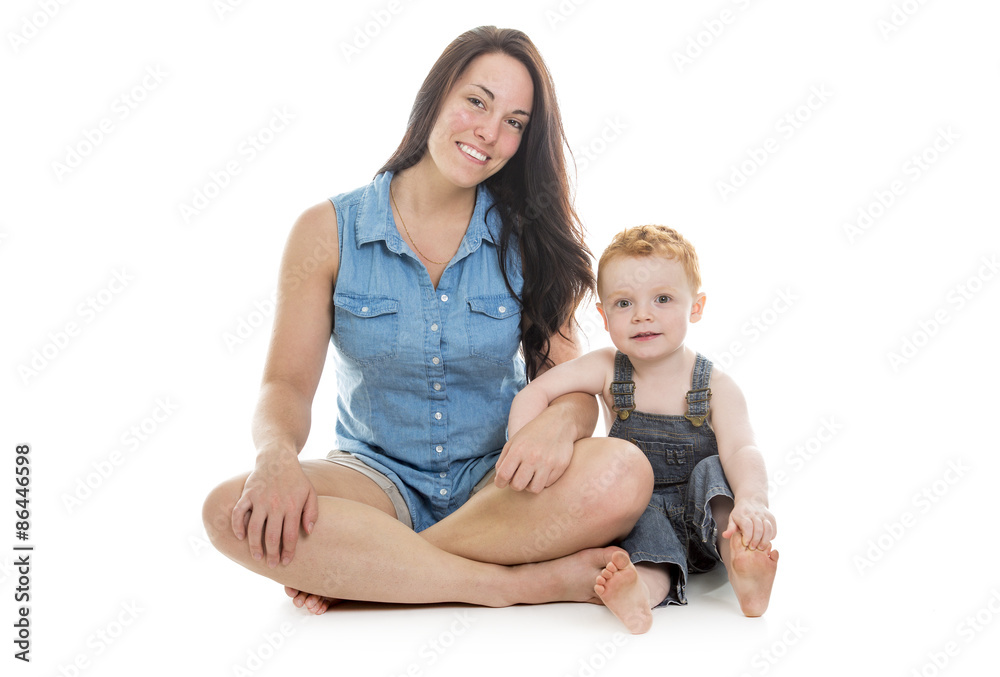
(886, 548)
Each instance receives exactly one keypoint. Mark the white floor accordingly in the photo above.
(851, 272)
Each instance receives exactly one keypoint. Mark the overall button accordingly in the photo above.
(434, 327)
(437, 386)
(439, 448)
(444, 492)
(444, 474)
(437, 415)
(444, 298)
(436, 360)
(502, 309)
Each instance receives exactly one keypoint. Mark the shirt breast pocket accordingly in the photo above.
(494, 327)
(672, 461)
(366, 328)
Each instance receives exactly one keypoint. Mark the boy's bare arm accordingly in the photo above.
(523, 465)
(586, 374)
(742, 463)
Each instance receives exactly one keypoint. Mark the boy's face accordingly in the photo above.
(647, 303)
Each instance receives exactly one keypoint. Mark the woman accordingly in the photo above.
(463, 248)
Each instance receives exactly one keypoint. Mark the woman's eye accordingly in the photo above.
(516, 124)
(476, 102)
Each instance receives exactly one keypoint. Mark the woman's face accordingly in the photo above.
(482, 120)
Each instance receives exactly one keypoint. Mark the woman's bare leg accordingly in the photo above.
(359, 551)
(597, 500)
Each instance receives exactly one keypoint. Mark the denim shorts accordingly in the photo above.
(677, 527)
(349, 460)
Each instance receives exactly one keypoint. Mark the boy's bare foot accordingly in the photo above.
(314, 604)
(751, 573)
(622, 590)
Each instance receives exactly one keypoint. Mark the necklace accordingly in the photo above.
(407, 230)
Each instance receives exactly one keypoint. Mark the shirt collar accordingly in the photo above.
(375, 220)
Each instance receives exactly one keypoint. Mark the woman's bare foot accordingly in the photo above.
(314, 604)
(751, 573)
(567, 579)
(623, 591)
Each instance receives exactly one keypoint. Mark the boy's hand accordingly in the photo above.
(754, 522)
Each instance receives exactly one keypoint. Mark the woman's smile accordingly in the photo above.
(473, 152)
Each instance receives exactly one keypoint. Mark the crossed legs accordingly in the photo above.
(359, 551)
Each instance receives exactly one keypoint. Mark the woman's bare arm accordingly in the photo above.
(538, 454)
(277, 496)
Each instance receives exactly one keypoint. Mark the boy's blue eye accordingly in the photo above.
(622, 303)
(662, 298)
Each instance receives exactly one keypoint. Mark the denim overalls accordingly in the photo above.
(677, 527)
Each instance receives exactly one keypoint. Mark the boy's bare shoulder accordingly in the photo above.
(601, 360)
(590, 372)
(604, 354)
(723, 384)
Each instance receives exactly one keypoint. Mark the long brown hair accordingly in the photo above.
(531, 190)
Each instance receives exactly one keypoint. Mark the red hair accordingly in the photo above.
(654, 241)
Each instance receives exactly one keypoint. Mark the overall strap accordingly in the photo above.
(623, 387)
(700, 393)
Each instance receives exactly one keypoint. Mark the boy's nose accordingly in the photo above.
(641, 314)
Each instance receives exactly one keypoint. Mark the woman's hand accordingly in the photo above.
(533, 459)
(539, 453)
(277, 498)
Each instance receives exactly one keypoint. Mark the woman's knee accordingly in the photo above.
(217, 512)
(620, 483)
(636, 476)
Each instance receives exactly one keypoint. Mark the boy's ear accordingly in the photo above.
(604, 317)
(698, 307)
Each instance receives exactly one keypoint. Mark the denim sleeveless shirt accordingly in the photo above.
(425, 376)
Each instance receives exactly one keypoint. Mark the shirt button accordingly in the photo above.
(502, 309)
(437, 415)
(437, 386)
(436, 360)
(444, 474)
(439, 448)
(444, 492)
(434, 327)
(364, 309)
(444, 298)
